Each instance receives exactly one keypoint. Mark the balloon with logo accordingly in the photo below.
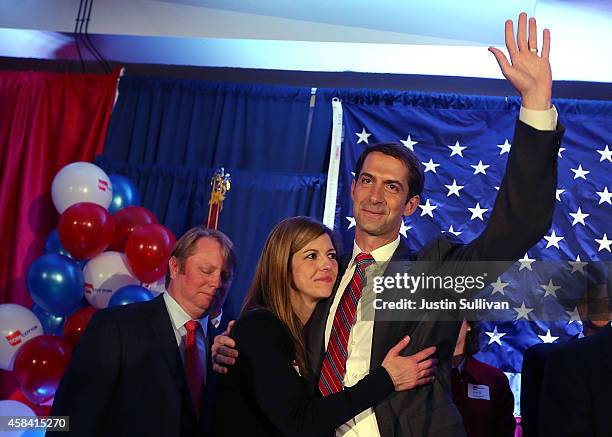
(81, 182)
(128, 219)
(13, 408)
(104, 275)
(125, 193)
(76, 323)
(86, 230)
(39, 366)
(17, 325)
(55, 283)
(52, 324)
(130, 294)
(148, 250)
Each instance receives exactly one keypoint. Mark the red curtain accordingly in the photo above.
(47, 120)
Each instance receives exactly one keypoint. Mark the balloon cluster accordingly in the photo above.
(105, 248)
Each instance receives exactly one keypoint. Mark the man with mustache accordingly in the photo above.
(387, 186)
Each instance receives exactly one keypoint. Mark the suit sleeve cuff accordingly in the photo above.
(545, 120)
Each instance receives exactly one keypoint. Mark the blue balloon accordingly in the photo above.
(51, 323)
(129, 294)
(125, 193)
(54, 245)
(56, 283)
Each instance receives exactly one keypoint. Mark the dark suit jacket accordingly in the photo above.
(532, 375)
(520, 217)
(126, 378)
(577, 389)
(491, 417)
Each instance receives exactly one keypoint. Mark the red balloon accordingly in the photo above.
(86, 230)
(39, 366)
(148, 250)
(128, 219)
(76, 323)
(40, 410)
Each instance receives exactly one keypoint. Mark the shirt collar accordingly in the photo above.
(382, 254)
(179, 316)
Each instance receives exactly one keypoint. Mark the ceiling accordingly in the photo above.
(433, 37)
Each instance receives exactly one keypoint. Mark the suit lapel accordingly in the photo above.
(387, 333)
(161, 326)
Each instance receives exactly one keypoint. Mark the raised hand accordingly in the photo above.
(527, 71)
(411, 371)
(224, 351)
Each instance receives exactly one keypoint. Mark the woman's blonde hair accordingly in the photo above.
(272, 281)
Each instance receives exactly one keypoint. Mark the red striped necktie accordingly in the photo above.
(334, 363)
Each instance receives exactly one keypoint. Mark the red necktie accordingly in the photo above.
(194, 368)
(334, 363)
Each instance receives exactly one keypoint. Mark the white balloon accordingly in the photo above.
(10, 408)
(17, 325)
(104, 275)
(81, 182)
(158, 287)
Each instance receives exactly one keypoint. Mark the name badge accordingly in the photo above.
(478, 392)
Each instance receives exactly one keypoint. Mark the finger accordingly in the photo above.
(510, 42)
(395, 350)
(230, 325)
(533, 34)
(222, 359)
(546, 44)
(426, 373)
(224, 340)
(504, 64)
(521, 33)
(425, 353)
(431, 363)
(219, 369)
(228, 352)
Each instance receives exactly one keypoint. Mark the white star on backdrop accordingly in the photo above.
(574, 316)
(558, 193)
(604, 243)
(430, 166)
(526, 262)
(477, 212)
(550, 289)
(363, 136)
(505, 148)
(606, 154)
(454, 189)
(427, 209)
(604, 196)
(409, 143)
(578, 217)
(480, 168)
(580, 173)
(452, 231)
(522, 312)
(495, 336)
(578, 265)
(498, 286)
(457, 149)
(351, 222)
(404, 228)
(548, 338)
(561, 149)
(553, 239)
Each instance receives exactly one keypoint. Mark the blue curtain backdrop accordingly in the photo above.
(169, 135)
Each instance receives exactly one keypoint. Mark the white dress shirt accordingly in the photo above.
(179, 317)
(359, 347)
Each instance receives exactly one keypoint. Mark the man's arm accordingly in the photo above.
(86, 387)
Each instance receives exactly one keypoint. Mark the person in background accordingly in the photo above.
(480, 391)
(144, 369)
(267, 393)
